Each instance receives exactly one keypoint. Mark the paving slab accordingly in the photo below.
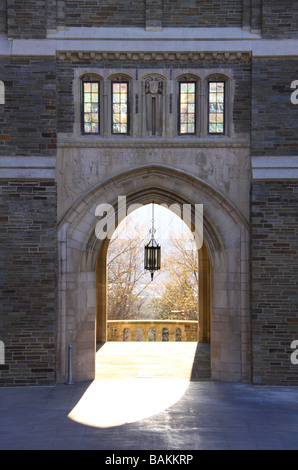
(143, 409)
(207, 416)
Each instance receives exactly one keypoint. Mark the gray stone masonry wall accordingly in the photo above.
(3, 16)
(280, 19)
(274, 229)
(107, 13)
(28, 282)
(241, 70)
(206, 13)
(33, 19)
(51, 15)
(274, 117)
(26, 19)
(154, 14)
(28, 118)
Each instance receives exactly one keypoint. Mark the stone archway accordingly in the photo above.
(226, 237)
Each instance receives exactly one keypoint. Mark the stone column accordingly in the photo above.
(204, 296)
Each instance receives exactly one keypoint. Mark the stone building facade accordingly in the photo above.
(54, 173)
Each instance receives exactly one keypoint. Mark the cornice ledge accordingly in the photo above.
(78, 56)
(149, 144)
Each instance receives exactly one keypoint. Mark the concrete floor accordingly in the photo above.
(149, 413)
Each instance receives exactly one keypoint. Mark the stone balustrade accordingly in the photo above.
(152, 330)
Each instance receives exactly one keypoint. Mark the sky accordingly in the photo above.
(165, 222)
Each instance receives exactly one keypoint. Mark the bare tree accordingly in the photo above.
(132, 295)
(127, 279)
(179, 299)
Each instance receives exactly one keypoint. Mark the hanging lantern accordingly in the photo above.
(152, 252)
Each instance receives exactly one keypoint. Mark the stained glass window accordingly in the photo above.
(187, 108)
(90, 120)
(216, 123)
(120, 107)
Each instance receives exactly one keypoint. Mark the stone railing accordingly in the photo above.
(152, 330)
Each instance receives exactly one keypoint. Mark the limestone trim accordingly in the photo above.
(27, 167)
(136, 44)
(168, 33)
(159, 170)
(179, 142)
(275, 168)
(151, 56)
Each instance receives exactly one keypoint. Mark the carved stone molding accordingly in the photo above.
(78, 56)
(154, 85)
(145, 144)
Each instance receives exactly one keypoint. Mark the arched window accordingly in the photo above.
(217, 101)
(188, 104)
(2, 92)
(90, 104)
(178, 335)
(165, 334)
(152, 334)
(139, 334)
(120, 104)
(126, 334)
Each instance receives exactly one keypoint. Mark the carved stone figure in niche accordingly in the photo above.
(154, 106)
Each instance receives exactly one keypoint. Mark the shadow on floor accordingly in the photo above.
(201, 369)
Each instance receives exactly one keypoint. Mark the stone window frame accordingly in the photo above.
(118, 78)
(203, 76)
(80, 75)
(92, 78)
(225, 77)
(223, 82)
(105, 78)
(191, 78)
(171, 77)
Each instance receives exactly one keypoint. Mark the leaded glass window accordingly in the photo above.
(216, 124)
(90, 112)
(120, 108)
(187, 108)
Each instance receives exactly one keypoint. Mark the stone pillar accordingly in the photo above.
(204, 296)
(101, 295)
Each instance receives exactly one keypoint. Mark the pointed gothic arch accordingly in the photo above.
(82, 286)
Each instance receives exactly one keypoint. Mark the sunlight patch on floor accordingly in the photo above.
(135, 381)
(108, 403)
(145, 360)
